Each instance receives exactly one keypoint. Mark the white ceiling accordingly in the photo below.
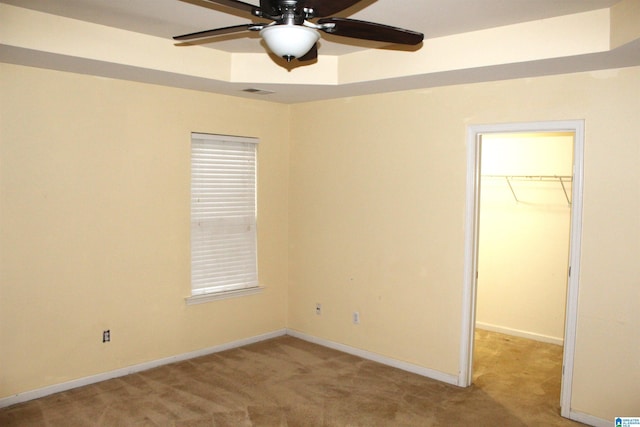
(434, 18)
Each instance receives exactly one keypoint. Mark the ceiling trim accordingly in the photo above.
(39, 39)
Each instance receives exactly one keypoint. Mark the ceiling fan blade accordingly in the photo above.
(219, 31)
(311, 55)
(328, 7)
(371, 31)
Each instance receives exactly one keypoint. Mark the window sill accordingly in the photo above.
(215, 296)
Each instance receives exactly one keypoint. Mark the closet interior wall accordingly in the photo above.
(524, 234)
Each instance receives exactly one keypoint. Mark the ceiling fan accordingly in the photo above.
(293, 34)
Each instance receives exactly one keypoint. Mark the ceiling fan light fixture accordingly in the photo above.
(289, 41)
(292, 36)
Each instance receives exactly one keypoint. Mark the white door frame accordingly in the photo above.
(471, 245)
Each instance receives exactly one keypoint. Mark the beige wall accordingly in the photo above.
(524, 242)
(94, 179)
(377, 206)
(367, 193)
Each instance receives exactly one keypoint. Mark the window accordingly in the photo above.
(223, 217)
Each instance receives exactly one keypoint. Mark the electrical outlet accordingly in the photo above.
(318, 308)
(106, 336)
(356, 318)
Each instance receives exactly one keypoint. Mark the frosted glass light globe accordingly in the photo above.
(289, 41)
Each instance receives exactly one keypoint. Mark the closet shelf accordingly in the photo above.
(562, 179)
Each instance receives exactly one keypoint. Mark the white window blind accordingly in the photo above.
(223, 213)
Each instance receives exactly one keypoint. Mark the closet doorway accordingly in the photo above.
(524, 220)
(522, 244)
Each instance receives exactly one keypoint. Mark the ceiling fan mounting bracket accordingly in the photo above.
(326, 27)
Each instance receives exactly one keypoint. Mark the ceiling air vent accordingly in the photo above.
(258, 91)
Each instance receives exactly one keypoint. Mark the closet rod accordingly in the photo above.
(544, 178)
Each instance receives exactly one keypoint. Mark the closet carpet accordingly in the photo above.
(289, 382)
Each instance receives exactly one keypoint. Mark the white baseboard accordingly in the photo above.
(519, 333)
(405, 366)
(590, 419)
(56, 388)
